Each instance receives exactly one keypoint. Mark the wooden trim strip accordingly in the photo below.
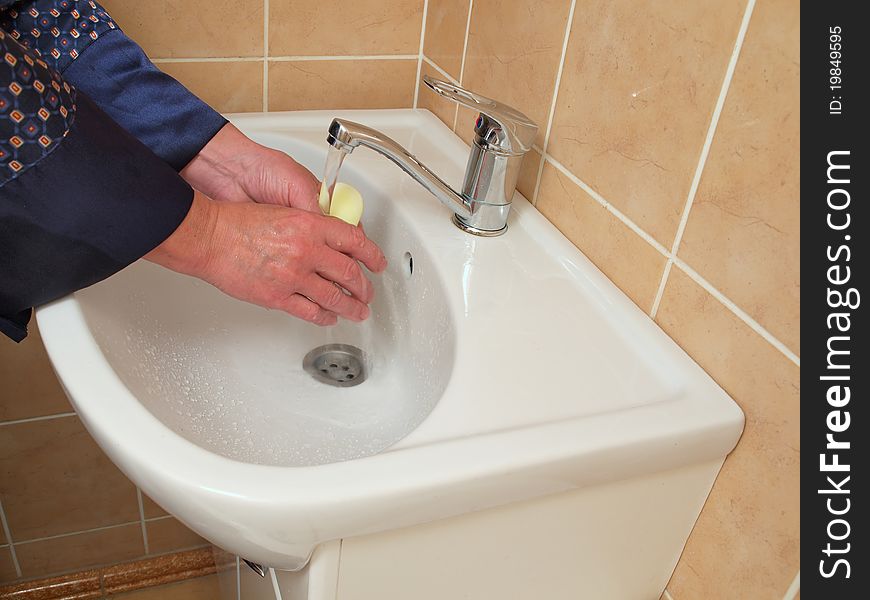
(116, 579)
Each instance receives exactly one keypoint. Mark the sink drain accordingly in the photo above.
(342, 365)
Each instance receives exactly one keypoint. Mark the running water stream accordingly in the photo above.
(334, 158)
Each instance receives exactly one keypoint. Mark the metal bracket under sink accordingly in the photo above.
(256, 568)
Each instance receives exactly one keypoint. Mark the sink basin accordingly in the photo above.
(499, 370)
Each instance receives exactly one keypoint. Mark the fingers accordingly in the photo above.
(307, 193)
(353, 242)
(300, 306)
(333, 299)
(346, 272)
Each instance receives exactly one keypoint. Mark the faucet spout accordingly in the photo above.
(347, 135)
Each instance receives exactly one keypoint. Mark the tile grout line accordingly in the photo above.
(343, 57)
(265, 55)
(171, 60)
(705, 150)
(33, 419)
(288, 58)
(694, 275)
(160, 518)
(568, 27)
(794, 588)
(63, 535)
(607, 205)
(9, 541)
(142, 520)
(462, 62)
(420, 53)
(441, 71)
(739, 312)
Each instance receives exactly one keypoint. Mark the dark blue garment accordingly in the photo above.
(148, 103)
(80, 197)
(97, 203)
(79, 39)
(37, 109)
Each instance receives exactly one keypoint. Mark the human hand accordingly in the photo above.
(281, 258)
(234, 168)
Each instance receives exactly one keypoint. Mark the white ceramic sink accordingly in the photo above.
(502, 369)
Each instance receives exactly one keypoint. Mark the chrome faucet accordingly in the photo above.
(502, 137)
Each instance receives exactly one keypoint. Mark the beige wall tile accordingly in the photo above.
(337, 27)
(7, 567)
(166, 535)
(743, 233)
(637, 93)
(201, 588)
(465, 120)
(194, 28)
(747, 539)
(54, 479)
(529, 174)
(151, 508)
(629, 261)
(513, 54)
(29, 387)
(445, 33)
(81, 550)
(440, 107)
(226, 86)
(341, 84)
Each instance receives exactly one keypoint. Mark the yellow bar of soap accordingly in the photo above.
(347, 203)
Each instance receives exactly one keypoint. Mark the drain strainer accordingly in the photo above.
(342, 365)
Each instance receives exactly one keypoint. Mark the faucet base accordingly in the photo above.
(457, 220)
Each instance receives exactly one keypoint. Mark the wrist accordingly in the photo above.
(220, 166)
(190, 248)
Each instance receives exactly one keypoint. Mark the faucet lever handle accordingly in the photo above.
(501, 127)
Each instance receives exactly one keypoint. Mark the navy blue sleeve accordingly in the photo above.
(81, 41)
(98, 202)
(148, 103)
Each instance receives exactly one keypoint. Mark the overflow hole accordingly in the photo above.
(408, 264)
